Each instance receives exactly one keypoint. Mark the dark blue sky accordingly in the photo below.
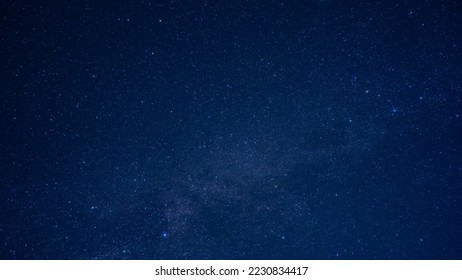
(231, 130)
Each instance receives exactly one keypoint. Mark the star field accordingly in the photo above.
(231, 130)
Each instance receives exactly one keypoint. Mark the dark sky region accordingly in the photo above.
(231, 129)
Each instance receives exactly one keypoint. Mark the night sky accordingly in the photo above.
(231, 129)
